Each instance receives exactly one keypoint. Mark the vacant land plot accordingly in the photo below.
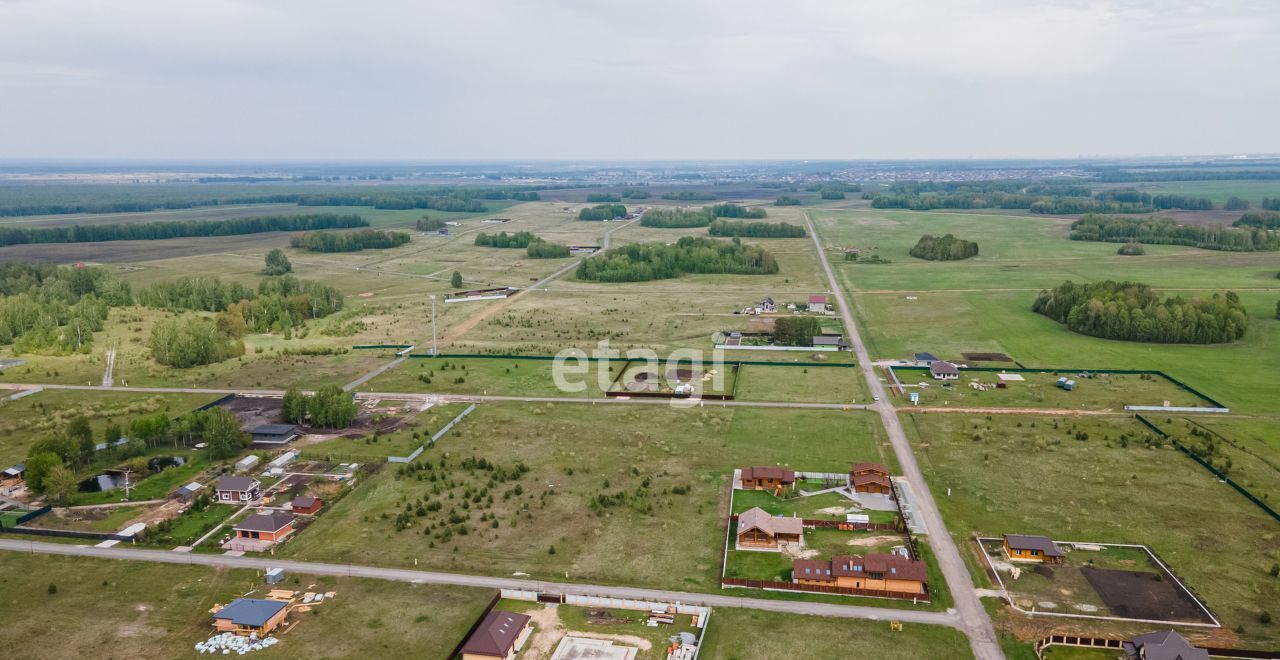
(143, 610)
(596, 484)
(1040, 390)
(26, 420)
(1246, 449)
(1029, 475)
(624, 627)
(742, 634)
(407, 437)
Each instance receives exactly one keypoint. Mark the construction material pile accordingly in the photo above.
(227, 643)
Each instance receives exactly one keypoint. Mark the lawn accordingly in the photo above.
(1040, 390)
(601, 482)
(1031, 475)
(804, 507)
(734, 634)
(401, 442)
(143, 610)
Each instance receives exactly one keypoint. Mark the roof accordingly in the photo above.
(887, 565)
(870, 478)
(16, 470)
(303, 502)
(822, 300)
(496, 634)
(270, 521)
(192, 487)
(1042, 543)
(868, 466)
(236, 483)
(926, 357)
(768, 473)
(250, 611)
(1167, 645)
(757, 518)
(943, 368)
(827, 340)
(273, 429)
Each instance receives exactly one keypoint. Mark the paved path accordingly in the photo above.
(974, 620)
(481, 581)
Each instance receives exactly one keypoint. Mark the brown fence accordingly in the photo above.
(814, 589)
(1116, 644)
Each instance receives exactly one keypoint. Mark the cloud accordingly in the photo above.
(658, 79)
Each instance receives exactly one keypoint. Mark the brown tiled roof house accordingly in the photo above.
(499, 635)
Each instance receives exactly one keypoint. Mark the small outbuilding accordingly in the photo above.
(189, 491)
(499, 635)
(13, 473)
(245, 616)
(1040, 549)
(305, 505)
(925, 359)
(245, 464)
(941, 370)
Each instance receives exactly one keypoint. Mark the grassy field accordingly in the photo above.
(145, 610)
(1031, 475)
(747, 634)
(26, 420)
(1040, 390)
(401, 442)
(813, 507)
(661, 474)
(1249, 446)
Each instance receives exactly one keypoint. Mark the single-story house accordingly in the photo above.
(767, 305)
(818, 304)
(305, 505)
(870, 477)
(886, 572)
(499, 635)
(273, 435)
(272, 526)
(250, 615)
(1163, 645)
(758, 529)
(237, 489)
(13, 473)
(1020, 547)
(830, 340)
(767, 478)
(941, 370)
(925, 359)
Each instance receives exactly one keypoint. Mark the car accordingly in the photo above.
(875, 398)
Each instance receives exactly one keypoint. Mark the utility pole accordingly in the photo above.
(434, 351)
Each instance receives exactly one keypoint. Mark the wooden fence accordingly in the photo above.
(923, 597)
(841, 525)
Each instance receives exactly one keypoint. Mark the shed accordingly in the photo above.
(305, 505)
(14, 473)
(925, 359)
(275, 575)
(189, 491)
(245, 464)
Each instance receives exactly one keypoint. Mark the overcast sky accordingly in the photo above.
(651, 79)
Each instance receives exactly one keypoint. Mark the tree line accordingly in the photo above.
(1271, 204)
(428, 223)
(365, 239)
(603, 198)
(755, 229)
(1166, 231)
(535, 247)
(603, 212)
(1259, 220)
(1041, 198)
(686, 218)
(278, 304)
(150, 231)
(787, 200)
(796, 330)
(943, 248)
(329, 407)
(656, 261)
(1135, 312)
(688, 196)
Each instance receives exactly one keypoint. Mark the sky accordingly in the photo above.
(635, 80)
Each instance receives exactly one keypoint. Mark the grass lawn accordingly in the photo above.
(106, 520)
(1008, 476)
(1249, 448)
(734, 634)
(482, 376)
(1040, 390)
(401, 442)
(145, 610)
(816, 384)
(154, 486)
(803, 507)
(190, 526)
(574, 456)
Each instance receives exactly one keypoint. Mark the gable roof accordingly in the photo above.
(1042, 543)
(16, 470)
(888, 566)
(869, 466)
(768, 473)
(821, 300)
(265, 521)
(237, 484)
(941, 368)
(757, 518)
(303, 502)
(1167, 645)
(926, 357)
(870, 478)
(496, 634)
(273, 429)
(827, 340)
(250, 611)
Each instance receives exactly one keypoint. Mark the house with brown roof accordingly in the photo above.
(260, 531)
(499, 635)
(884, 572)
(760, 531)
(942, 370)
(870, 478)
(1020, 547)
(305, 505)
(767, 478)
